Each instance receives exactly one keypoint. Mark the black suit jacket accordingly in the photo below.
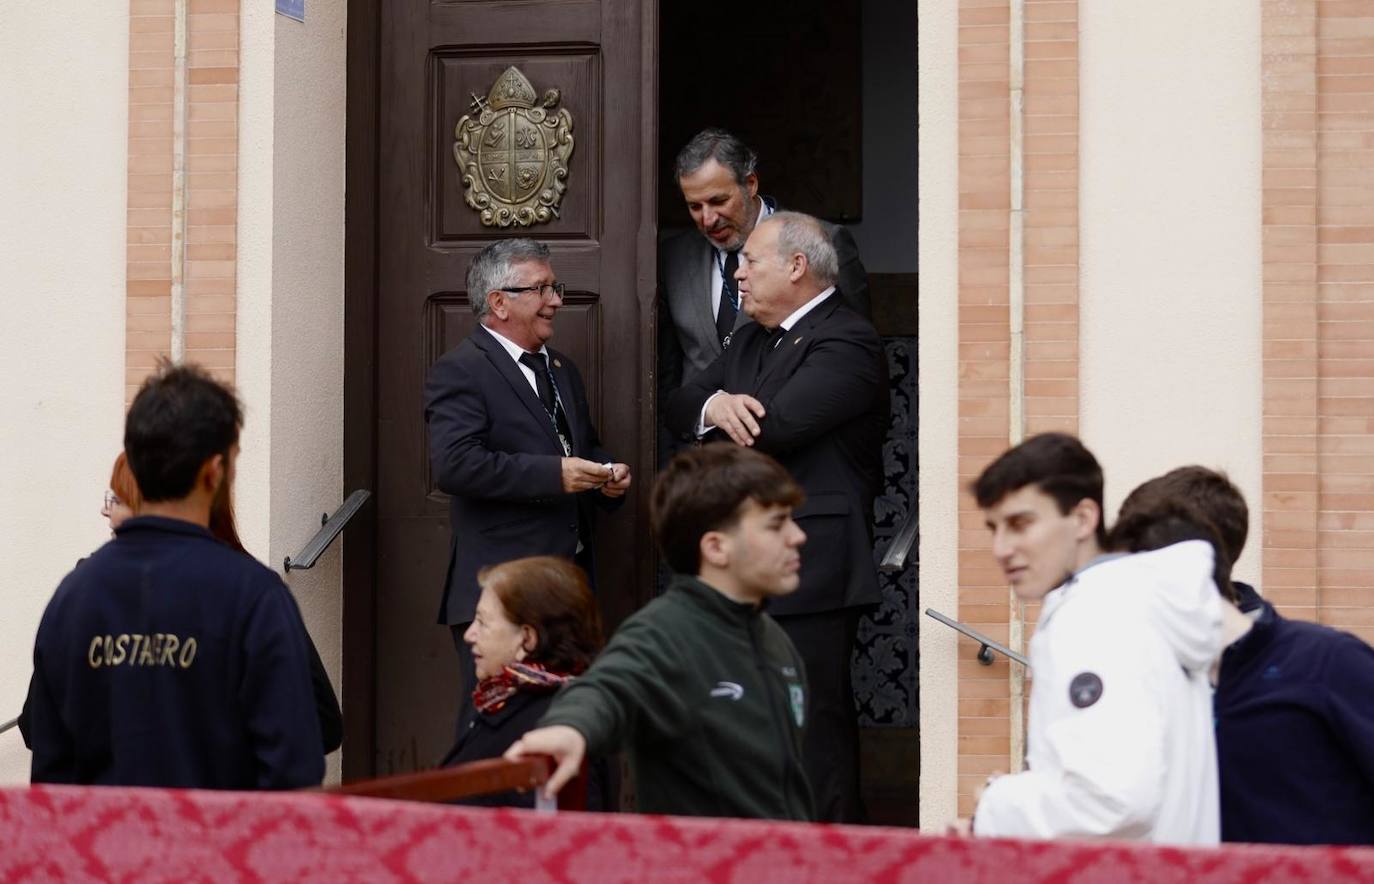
(494, 450)
(687, 341)
(485, 735)
(824, 390)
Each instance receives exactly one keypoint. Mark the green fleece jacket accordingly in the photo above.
(709, 698)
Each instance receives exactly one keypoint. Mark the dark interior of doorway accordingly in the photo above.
(789, 77)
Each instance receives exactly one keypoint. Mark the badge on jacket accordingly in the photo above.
(1085, 689)
(794, 692)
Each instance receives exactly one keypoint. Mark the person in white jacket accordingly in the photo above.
(1120, 740)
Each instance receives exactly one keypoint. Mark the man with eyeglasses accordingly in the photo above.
(511, 437)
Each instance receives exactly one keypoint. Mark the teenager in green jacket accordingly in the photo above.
(702, 687)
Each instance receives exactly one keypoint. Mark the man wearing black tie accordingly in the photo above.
(510, 435)
(698, 301)
(806, 382)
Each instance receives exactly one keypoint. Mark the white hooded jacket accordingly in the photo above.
(1121, 742)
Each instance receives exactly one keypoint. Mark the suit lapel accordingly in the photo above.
(699, 284)
(506, 367)
(795, 339)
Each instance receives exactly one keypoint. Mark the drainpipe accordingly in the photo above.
(1016, 393)
(178, 287)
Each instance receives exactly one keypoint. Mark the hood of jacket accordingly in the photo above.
(1172, 587)
(1181, 599)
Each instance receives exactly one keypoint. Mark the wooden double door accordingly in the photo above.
(416, 67)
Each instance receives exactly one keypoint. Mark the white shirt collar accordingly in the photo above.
(514, 349)
(786, 324)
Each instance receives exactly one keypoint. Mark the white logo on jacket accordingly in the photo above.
(728, 689)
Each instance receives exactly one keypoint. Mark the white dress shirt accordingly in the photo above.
(516, 351)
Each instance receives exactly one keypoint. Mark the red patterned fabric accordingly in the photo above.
(83, 834)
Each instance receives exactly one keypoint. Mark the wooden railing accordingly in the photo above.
(470, 780)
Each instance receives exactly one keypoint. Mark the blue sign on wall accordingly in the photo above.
(292, 9)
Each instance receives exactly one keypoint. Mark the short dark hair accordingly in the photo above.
(1154, 522)
(1055, 463)
(180, 418)
(721, 146)
(1209, 491)
(704, 489)
(551, 596)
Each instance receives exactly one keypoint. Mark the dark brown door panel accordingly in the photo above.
(415, 69)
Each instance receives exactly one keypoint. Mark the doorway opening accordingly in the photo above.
(825, 92)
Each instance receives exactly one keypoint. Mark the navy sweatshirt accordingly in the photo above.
(1295, 733)
(168, 659)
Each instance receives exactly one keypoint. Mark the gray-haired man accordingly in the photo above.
(510, 435)
(699, 307)
(806, 382)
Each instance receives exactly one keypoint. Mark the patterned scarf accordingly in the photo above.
(492, 693)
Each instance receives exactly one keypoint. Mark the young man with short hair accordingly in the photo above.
(1120, 733)
(1294, 719)
(701, 686)
(167, 658)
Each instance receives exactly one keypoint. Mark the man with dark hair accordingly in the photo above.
(806, 382)
(1208, 492)
(511, 439)
(167, 658)
(1294, 721)
(700, 685)
(699, 307)
(1120, 736)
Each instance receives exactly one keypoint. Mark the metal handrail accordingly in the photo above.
(330, 527)
(900, 547)
(12, 723)
(988, 645)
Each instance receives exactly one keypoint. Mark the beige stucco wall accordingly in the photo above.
(63, 145)
(939, 384)
(290, 356)
(1170, 333)
(1170, 249)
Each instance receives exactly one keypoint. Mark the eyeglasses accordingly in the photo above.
(546, 290)
(112, 500)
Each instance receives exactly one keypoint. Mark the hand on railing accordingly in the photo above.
(487, 777)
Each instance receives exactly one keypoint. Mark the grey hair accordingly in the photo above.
(491, 268)
(718, 145)
(802, 233)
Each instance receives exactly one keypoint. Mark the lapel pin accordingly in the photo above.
(797, 341)
(557, 364)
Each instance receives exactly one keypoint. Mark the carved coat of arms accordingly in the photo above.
(513, 150)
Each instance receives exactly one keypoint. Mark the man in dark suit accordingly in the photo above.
(699, 303)
(806, 381)
(510, 435)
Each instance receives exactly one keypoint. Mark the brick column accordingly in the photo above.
(209, 148)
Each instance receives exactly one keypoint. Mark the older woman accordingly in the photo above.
(536, 628)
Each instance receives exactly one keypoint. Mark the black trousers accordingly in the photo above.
(831, 746)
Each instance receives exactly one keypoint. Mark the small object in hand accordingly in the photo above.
(610, 472)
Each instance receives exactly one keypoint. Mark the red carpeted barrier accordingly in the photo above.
(83, 833)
